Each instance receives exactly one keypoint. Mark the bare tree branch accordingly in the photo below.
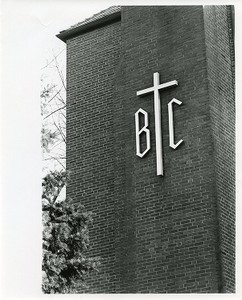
(54, 115)
(57, 144)
(54, 96)
(60, 131)
(64, 116)
(53, 59)
(51, 158)
(54, 158)
(60, 74)
(61, 99)
(55, 111)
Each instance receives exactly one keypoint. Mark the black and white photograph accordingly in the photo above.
(120, 167)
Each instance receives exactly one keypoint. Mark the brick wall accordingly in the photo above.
(220, 54)
(167, 233)
(155, 234)
(92, 60)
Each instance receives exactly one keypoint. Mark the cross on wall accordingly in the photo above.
(157, 110)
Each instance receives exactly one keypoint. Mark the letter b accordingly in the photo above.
(139, 131)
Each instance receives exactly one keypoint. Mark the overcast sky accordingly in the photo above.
(28, 30)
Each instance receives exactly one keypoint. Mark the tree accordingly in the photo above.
(65, 263)
(65, 240)
(53, 111)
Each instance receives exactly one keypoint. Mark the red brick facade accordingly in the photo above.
(155, 234)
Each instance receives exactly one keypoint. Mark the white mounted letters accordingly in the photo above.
(171, 125)
(139, 131)
(158, 131)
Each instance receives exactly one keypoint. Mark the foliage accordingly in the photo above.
(52, 184)
(65, 241)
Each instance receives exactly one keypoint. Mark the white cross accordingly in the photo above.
(157, 108)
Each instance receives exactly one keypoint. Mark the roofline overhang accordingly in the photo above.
(72, 32)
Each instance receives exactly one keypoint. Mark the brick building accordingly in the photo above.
(170, 233)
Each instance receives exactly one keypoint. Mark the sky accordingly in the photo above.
(28, 41)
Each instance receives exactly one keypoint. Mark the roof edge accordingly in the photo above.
(72, 32)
